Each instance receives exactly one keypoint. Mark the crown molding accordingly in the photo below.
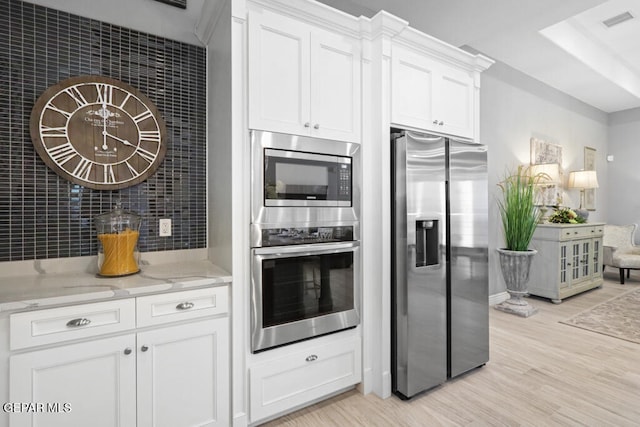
(208, 20)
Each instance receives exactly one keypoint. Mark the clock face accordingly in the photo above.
(98, 132)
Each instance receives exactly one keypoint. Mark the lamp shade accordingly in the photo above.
(583, 179)
(551, 170)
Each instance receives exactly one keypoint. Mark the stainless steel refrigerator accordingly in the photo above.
(440, 307)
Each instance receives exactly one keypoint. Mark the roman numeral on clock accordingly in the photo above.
(147, 155)
(134, 172)
(62, 153)
(53, 132)
(83, 169)
(76, 95)
(142, 116)
(150, 135)
(105, 93)
(52, 107)
(108, 175)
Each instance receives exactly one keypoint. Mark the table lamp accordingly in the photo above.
(583, 180)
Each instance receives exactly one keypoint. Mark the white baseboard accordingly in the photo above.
(498, 298)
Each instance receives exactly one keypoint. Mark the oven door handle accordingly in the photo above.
(304, 250)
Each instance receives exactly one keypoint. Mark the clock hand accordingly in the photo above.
(104, 126)
(124, 141)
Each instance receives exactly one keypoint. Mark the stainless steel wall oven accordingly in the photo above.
(305, 239)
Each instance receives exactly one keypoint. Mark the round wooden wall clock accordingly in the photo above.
(98, 132)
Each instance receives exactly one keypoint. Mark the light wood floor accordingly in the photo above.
(540, 373)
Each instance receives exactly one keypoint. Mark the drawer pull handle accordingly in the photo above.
(185, 305)
(75, 323)
(127, 351)
(311, 358)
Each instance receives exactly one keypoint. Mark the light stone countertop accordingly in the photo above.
(37, 284)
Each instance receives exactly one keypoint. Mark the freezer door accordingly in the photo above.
(469, 300)
(419, 270)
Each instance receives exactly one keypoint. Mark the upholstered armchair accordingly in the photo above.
(619, 248)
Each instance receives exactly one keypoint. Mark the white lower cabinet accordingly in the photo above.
(174, 375)
(297, 379)
(87, 384)
(182, 375)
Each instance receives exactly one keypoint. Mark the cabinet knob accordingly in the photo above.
(311, 358)
(440, 123)
(127, 351)
(316, 126)
(144, 348)
(185, 305)
(307, 124)
(75, 323)
(435, 122)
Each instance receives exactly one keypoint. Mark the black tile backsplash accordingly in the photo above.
(41, 214)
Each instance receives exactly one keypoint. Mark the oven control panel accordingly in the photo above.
(306, 235)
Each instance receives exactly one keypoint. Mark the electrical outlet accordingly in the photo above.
(165, 227)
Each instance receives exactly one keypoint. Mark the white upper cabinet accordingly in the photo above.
(431, 95)
(303, 80)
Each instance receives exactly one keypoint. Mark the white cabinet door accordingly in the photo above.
(302, 80)
(279, 60)
(412, 81)
(96, 380)
(183, 375)
(427, 94)
(335, 87)
(454, 94)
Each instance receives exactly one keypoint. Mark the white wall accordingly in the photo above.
(514, 108)
(148, 16)
(219, 138)
(624, 145)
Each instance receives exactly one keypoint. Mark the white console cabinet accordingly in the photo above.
(569, 260)
(303, 79)
(431, 95)
(102, 368)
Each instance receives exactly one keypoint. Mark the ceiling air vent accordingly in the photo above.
(182, 4)
(618, 19)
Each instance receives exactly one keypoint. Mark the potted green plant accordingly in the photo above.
(520, 217)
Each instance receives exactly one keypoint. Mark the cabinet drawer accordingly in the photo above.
(570, 233)
(297, 379)
(176, 306)
(55, 325)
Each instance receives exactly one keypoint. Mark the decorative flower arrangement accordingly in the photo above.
(566, 216)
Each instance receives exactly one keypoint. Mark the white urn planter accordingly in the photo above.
(515, 266)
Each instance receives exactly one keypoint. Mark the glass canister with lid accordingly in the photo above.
(118, 233)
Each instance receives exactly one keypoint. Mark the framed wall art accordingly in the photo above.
(545, 153)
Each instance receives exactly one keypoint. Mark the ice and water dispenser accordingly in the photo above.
(427, 242)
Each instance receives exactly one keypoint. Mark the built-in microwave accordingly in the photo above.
(297, 179)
